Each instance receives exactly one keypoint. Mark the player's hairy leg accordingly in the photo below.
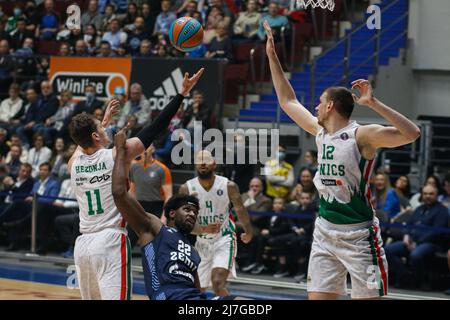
(219, 278)
(323, 296)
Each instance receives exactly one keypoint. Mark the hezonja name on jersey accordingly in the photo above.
(92, 168)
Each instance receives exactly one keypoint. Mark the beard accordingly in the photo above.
(205, 175)
(183, 227)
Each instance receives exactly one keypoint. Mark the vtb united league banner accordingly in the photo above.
(74, 73)
(161, 79)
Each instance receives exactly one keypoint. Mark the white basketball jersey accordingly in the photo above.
(214, 205)
(91, 178)
(342, 178)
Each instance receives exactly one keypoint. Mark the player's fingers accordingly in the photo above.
(355, 98)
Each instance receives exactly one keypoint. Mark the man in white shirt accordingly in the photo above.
(38, 154)
(11, 106)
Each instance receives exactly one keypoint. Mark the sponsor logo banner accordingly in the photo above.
(162, 79)
(74, 73)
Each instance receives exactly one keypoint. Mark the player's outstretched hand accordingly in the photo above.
(270, 44)
(365, 92)
(120, 138)
(189, 83)
(112, 110)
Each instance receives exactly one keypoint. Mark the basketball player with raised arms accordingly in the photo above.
(215, 229)
(102, 253)
(169, 261)
(347, 234)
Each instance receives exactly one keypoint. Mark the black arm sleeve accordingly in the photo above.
(149, 132)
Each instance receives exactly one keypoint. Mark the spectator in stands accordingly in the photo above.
(49, 22)
(255, 201)
(64, 50)
(15, 141)
(299, 246)
(444, 198)
(32, 18)
(279, 175)
(416, 200)
(14, 163)
(278, 226)
(305, 183)
(130, 18)
(19, 215)
(151, 183)
(310, 159)
(224, 9)
(149, 16)
(91, 17)
(188, 9)
(57, 124)
(105, 50)
(81, 49)
(4, 147)
(381, 188)
(120, 5)
(137, 105)
(92, 39)
(45, 107)
(6, 68)
(247, 23)
(38, 155)
(418, 244)
(58, 159)
(275, 21)
(19, 34)
(145, 49)
(116, 37)
(20, 118)
(136, 36)
(10, 107)
(48, 212)
(11, 22)
(164, 19)
(197, 111)
(162, 51)
(220, 46)
(90, 103)
(110, 15)
(14, 202)
(213, 19)
(397, 199)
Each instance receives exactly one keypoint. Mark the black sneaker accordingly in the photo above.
(258, 269)
(250, 267)
(281, 274)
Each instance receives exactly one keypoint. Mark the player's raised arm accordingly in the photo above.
(146, 225)
(145, 137)
(402, 131)
(286, 95)
(244, 219)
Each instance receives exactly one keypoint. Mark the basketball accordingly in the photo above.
(186, 34)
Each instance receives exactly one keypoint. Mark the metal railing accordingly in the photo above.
(347, 42)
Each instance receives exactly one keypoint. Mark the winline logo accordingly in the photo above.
(170, 87)
(76, 82)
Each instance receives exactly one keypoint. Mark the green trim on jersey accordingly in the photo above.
(355, 211)
(375, 259)
(129, 281)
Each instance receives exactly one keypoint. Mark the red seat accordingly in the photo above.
(241, 51)
(236, 75)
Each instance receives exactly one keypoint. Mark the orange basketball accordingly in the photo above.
(186, 34)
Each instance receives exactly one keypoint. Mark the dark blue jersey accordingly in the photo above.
(170, 263)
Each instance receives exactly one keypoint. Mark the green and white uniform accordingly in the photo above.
(347, 234)
(102, 253)
(216, 250)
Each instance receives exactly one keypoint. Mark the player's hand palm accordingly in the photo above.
(189, 83)
(112, 110)
(270, 44)
(365, 92)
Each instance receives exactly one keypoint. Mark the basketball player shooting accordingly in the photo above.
(169, 261)
(347, 234)
(216, 232)
(102, 253)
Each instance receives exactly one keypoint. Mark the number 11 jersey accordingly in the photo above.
(91, 178)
